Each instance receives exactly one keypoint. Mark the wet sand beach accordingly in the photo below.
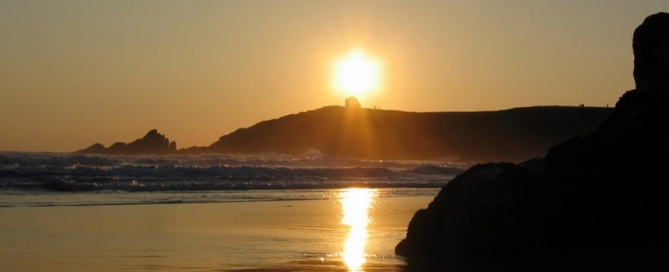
(303, 235)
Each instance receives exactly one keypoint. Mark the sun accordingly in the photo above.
(357, 74)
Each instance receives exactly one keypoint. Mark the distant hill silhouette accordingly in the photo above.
(505, 135)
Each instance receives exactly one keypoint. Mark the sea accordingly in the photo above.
(213, 212)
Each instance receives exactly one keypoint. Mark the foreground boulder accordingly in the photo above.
(602, 197)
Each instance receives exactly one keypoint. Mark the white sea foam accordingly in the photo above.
(78, 172)
(54, 179)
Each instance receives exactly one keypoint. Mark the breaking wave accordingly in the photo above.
(78, 172)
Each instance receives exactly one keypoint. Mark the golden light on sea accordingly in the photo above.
(356, 203)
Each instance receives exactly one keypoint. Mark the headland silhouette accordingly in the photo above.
(352, 131)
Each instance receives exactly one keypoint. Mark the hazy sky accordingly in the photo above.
(73, 73)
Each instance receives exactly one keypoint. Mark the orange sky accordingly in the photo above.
(73, 73)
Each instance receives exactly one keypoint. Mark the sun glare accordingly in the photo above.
(355, 204)
(357, 74)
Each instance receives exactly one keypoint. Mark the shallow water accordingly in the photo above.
(17, 198)
(269, 233)
(270, 212)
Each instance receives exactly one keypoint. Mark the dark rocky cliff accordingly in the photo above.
(599, 200)
(513, 134)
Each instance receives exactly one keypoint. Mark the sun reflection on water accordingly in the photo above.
(355, 203)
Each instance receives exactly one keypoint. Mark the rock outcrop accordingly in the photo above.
(152, 143)
(651, 53)
(602, 194)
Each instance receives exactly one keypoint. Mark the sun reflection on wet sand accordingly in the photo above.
(355, 203)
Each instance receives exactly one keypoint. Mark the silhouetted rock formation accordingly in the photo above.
(506, 135)
(152, 143)
(604, 194)
(651, 53)
(512, 135)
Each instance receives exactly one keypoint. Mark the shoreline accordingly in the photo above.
(21, 198)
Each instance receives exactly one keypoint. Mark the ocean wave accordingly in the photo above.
(77, 172)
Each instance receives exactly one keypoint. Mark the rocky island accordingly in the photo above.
(595, 202)
(152, 143)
